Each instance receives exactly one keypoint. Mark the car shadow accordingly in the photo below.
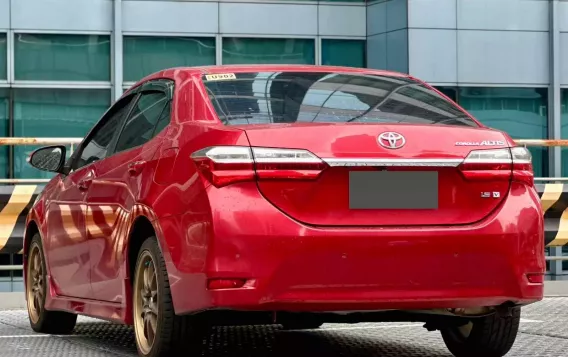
(269, 341)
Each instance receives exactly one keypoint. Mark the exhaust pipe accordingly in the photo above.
(472, 311)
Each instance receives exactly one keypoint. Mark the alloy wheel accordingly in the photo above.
(35, 283)
(146, 302)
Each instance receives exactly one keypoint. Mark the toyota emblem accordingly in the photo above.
(391, 140)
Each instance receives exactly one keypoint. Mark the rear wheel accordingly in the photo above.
(159, 332)
(491, 336)
(42, 320)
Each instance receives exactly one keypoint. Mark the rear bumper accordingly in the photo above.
(292, 267)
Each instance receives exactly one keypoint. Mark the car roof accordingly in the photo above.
(202, 70)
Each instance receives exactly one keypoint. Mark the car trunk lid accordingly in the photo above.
(369, 183)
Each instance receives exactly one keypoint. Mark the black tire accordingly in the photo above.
(174, 335)
(491, 336)
(42, 320)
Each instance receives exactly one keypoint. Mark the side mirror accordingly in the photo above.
(48, 158)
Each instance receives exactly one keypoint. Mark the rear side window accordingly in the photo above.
(290, 97)
(164, 119)
(139, 127)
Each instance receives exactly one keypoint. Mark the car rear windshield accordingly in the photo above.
(300, 97)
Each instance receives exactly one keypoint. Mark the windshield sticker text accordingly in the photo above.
(220, 76)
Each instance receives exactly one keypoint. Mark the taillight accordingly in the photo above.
(494, 164)
(522, 165)
(286, 164)
(499, 164)
(224, 165)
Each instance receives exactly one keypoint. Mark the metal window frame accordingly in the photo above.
(219, 49)
(116, 52)
(10, 54)
(62, 32)
(7, 33)
(318, 51)
(342, 37)
(5, 84)
(554, 106)
(273, 36)
(168, 34)
(62, 84)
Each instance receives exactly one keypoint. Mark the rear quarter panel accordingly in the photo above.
(178, 194)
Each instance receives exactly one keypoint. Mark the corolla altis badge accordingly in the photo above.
(481, 143)
(391, 140)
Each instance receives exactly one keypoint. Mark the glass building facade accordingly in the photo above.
(63, 62)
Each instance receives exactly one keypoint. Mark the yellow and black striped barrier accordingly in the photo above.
(16, 201)
(554, 201)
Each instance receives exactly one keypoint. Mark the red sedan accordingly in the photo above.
(290, 195)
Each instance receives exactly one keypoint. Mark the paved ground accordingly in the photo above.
(544, 332)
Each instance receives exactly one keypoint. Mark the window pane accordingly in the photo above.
(3, 57)
(146, 55)
(98, 146)
(164, 119)
(4, 151)
(349, 53)
(62, 57)
(288, 97)
(521, 112)
(268, 51)
(564, 129)
(140, 125)
(53, 113)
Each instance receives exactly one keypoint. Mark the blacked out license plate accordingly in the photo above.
(393, 190)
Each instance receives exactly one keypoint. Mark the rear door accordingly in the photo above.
(122, 180)
(393, 147)
(69, 253)
(67, 248)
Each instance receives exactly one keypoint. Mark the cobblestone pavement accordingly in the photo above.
(544, 332)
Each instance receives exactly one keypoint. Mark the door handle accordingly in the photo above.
(84, 184)
(136, 167)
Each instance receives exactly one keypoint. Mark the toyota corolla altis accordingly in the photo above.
(290, 195)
